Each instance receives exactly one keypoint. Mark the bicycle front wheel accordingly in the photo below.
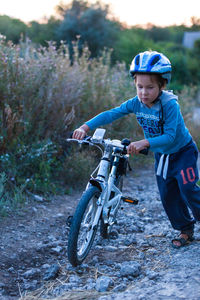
(82, 230)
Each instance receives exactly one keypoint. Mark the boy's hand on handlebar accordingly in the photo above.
(80, 132)
(136, 147)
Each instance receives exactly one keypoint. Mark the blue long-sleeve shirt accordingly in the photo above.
(175, 135)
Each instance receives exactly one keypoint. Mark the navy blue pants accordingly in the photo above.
(179, 190)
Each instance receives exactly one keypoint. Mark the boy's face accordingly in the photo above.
(148, 88)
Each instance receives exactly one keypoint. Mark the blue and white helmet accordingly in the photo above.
(151, 62)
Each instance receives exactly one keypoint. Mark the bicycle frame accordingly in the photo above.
(105, 181)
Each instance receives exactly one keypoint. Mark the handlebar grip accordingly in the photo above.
(144, 151)
(72, 132)
(86, 138)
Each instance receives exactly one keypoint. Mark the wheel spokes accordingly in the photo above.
(86, 228)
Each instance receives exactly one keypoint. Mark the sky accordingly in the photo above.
(131, 12)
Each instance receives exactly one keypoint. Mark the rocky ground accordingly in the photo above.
(137, 262)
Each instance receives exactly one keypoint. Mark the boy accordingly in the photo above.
(158, 113)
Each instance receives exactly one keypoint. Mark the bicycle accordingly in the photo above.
(101, 199)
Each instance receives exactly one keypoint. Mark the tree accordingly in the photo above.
(89, 23)
(129, 43)
(12, 28)
(158, 33)
(195, 24)
(40, 33)
(197, 48)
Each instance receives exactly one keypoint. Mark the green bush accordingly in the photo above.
(11, 195)
(33, 165)
(78, 167)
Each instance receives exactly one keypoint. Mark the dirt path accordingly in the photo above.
(139, 261)
(27, 239)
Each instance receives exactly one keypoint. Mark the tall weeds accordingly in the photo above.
(39, 89)
(43, 96)
(189, 100)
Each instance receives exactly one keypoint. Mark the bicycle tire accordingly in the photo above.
(80, 244)
(104, 228)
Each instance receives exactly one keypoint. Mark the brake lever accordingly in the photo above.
(127, 142)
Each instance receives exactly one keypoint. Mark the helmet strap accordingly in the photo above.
(161, 121)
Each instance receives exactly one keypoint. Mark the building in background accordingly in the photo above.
(189, 38)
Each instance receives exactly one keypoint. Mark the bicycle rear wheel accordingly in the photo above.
(82, 232)
(105, 229)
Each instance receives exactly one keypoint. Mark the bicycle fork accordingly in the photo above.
(111, 205)
(100, 183)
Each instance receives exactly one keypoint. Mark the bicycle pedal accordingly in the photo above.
(130, 200)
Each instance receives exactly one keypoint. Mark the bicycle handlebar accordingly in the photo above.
(106, 142)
